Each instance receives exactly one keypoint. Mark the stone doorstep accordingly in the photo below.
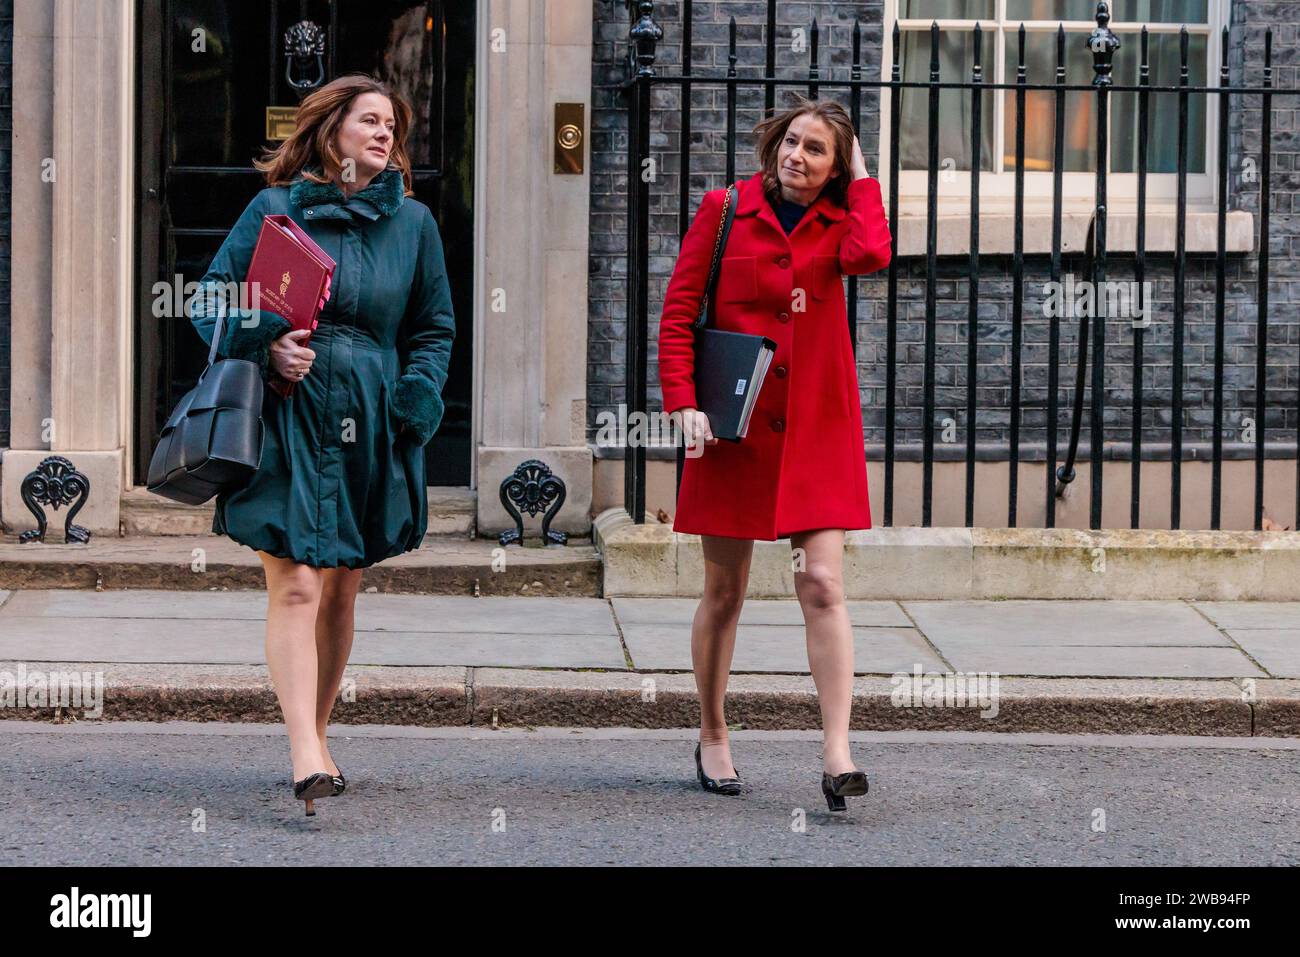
(448, 566)
(447, 696)
(451, 512)
(913, 563)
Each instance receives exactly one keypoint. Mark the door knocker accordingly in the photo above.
(302, 41)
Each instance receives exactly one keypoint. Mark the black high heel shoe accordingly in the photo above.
(340, 782)
(729, 786)
(313, 786)
(848, 784)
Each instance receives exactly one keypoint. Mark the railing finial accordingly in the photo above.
(1103, 44)
(642, 37)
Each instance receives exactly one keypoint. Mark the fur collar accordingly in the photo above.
(385, 192)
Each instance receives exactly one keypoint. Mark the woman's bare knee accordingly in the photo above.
(725, 598)
(726, 573)
(339, 590)
(292, 584)
(819, 588)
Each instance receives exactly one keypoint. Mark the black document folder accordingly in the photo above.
(729, 369)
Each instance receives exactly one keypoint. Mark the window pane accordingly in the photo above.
(945, 9)
(1162, 116)
(394, 39)
(1160, 11)
(1018, 10)
(219, 95)
(956, 57)
(1137, 11)
(1080, 143)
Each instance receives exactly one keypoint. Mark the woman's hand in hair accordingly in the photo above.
(857, 165)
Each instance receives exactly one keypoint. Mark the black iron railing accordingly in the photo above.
(644, 36)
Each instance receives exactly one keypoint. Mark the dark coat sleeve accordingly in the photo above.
(248, 332)
(428, 328)
(867, 243)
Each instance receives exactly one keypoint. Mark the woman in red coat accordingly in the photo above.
(809, 216)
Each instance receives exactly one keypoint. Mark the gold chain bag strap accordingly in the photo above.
(724, 230)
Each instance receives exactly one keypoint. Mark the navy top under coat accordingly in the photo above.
(789, 214)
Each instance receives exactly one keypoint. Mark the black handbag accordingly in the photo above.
(213, 440)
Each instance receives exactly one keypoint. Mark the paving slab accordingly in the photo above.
(1252, 614)
(1081, 638)
(1061, 624)
(1277, 649)
(163, 640)
(242, 641)
(144, 603)
(755, 611)
(777, 648)
(227, 628)
(484, 649)
(1103, 662)
(375, 612)
(1137, 639)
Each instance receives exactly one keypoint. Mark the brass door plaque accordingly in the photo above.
(280, 122)
(570, 137)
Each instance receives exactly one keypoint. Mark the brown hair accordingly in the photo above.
(771, 132)
(314, 141)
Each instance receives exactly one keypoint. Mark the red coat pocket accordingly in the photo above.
(737, 279)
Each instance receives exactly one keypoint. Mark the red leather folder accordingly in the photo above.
(293, 276)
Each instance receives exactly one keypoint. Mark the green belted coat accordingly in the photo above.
(342, 478)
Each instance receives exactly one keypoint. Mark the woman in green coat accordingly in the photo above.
(341, 483)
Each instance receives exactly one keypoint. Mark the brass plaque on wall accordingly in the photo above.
(570, 137)
(280, 122)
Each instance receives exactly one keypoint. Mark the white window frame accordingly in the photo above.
(997, 189)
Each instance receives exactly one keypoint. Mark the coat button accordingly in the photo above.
(778, 425)
(783, 262)
(309, 212)
(779, 371)
(783, 317)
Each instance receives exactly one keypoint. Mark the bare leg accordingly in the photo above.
(293, 595)
(334, 632)
(713, 639)
(830, 638)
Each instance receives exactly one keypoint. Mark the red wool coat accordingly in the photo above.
(802, 464)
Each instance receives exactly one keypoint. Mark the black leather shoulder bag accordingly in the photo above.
(213, 440)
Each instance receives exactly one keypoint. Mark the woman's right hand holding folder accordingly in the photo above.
(291, 360)
(695, 426)
(288, 355)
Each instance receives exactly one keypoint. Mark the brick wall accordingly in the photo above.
(608, 243)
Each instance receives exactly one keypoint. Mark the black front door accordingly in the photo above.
(211, 74)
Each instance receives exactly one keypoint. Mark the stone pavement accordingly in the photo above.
(1094, 666)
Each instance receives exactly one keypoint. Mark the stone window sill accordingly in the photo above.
(997, 230)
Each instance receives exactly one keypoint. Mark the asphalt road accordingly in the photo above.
(107, 793)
